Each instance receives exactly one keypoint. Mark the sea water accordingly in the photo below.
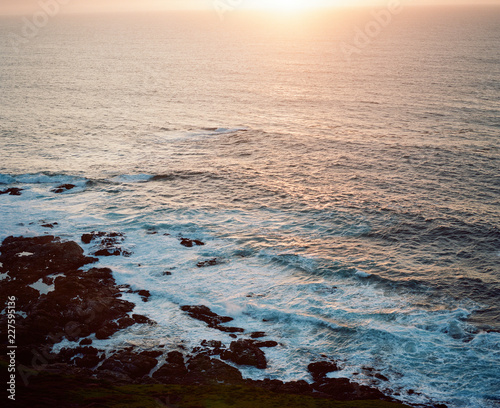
(350, 198)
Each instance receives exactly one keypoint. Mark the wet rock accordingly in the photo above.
(167, 273)
(190, 242)
(142, 319)
(106, 243)
(293, 387)
(245, 352)
(85, 342)
(81, 303)
(206, 370)
(212, 319)
(62, 188)
(344, 390)
(256, 335)
(320, 369)
(173, 371)
(12, 191)
(210, 262)
(107, 331)
(269, 343)
(31, 259)
(125, 322)
(131, 364)
(49, 225)
(210, 348)
(144, 294)
(381, 377)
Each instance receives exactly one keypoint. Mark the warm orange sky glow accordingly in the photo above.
(29, 6)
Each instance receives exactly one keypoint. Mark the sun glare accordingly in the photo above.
(284, 5)
(300, 5)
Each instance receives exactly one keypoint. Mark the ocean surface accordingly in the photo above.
(351, 199)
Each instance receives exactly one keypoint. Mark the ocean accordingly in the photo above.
(347, 183)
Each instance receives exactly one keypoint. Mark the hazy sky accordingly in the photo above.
(29, 6)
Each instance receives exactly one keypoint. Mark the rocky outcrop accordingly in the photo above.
(320, 369)
(12, 191)
(62, 188)
(174, 371)
(210, 262)
(245, 352)
(133, 365)
(82, 304)
(212, 319)
(189, 243)
(77, 305)
(106, 243)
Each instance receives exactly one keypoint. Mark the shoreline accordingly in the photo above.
(81, 305)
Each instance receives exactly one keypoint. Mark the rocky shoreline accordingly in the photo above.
(80, 305)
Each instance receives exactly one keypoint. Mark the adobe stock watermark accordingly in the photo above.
(31, 27)
(381, 18)
(223, 6)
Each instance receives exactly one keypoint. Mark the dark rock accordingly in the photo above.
(49, 225)
(142, 319)
(167, 273)
(125, 322)
(294, 387)
(256, 335)
(229, 329)
(108, 252)
(106, 243)
(213, 320)
(381, 377)
(144, 294)
(81, 303)
(320, 369)
(245, 352)
(85, 342)
(190, 242)
(210, 262)
(210, 348)
(62, 188)
(269, 343)
(129, 363)
(107, 331)
(173, 371)
(344, 390)
(204, 314)
(206, 370)
(12, 191)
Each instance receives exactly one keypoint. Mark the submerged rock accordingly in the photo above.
(210, 262)
(190, 242)
(12, 191)
(106, 243)
(62, 188)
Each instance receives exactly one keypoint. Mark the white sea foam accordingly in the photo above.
(346, 318)
(43, 288)
(132, 178)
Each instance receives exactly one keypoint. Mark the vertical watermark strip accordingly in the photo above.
(11, 347)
